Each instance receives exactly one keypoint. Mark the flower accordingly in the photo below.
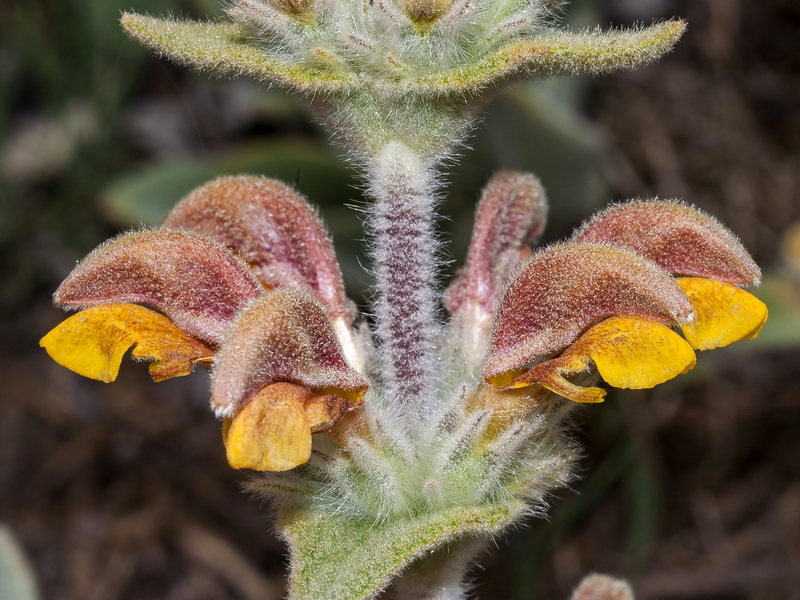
(246, 282)
(611, 298)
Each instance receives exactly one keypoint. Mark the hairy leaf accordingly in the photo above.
(347, 559)
(560, 53)
(227, 49)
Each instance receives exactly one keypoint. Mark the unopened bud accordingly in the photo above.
(293, 7)
(424, 12)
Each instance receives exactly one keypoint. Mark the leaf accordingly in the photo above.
(145, 195)
(561, 53)
(782, 297)
(226, 49)
(337, 558)
(17, 580)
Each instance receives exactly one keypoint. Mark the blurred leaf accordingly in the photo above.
(311, 167)
(17, 581)
(781, 294)
(643, 497)
(535, 127)
(145, 196)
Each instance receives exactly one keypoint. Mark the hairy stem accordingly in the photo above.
(404, 255)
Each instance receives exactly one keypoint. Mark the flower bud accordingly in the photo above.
(424, 12)
(511, 214)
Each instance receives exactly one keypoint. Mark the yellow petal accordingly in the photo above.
(323, 412)
(271, 432)
(93, 342)
(629, 352)
(723, 313)
(637, 354)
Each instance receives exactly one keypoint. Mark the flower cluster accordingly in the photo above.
(245, 281)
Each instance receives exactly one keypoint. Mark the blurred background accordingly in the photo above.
(122, 492)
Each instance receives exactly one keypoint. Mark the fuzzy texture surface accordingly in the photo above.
(337, 47)
(680, 239)
(194, 280)
(511, 214)
(564, 289)
(406, 266)
(283, 336)
(274, 229)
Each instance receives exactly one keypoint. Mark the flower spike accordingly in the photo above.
(194, 280)
(563, 290)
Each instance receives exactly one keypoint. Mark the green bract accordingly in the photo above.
(377, 71)
(324, 64)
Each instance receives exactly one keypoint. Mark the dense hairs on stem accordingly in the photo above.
(404, 259)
